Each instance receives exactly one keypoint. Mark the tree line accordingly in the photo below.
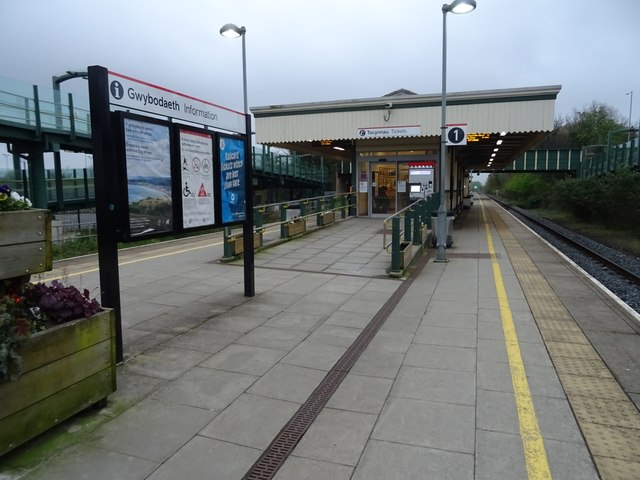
(611, 200)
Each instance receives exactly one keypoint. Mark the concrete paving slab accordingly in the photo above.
(251, 421)
(349, 319)
(300, 321)
(271, 337)
(493, 351)
(443, 426)
(378, 364)
(204, 339)
(234, 322)
(451, 336)
(444, 319)
(569, 460)
(136, 342)
(499, 454)
(168, 424)
(446, 386)
(205, 458)
(314, 355)
(496, 411)
(206, 388)
(336, 436)
(394, 461)
(401, 323)
(443, 358)
(297, 468)
(244, 359)
(86, 462)
(335, 335)
(391, 342)
(131, 389)
(317, 307)
(288, 382)
(362, 394)
(494, 376)
(167, 324)
(165, 362)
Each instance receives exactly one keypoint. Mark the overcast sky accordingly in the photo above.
(305, 51)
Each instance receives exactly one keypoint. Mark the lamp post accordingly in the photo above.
(457, 6)
(233, 31)
(630, 105)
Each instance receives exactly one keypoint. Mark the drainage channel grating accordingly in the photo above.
(283, 444)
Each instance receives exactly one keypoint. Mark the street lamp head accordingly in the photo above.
(459, 6)
(231, 30)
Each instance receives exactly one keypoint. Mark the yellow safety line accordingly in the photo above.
(534, 451)
(137, 260)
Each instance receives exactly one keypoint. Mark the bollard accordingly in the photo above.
(258, 217)
(395, 244)
(417, 225)
(283, 219)
(407, 224)
(228, 249)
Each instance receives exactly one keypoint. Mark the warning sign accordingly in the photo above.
(202, 192)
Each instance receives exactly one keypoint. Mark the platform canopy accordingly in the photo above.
(335, 129)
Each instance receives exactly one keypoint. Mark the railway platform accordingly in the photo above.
(506, 362)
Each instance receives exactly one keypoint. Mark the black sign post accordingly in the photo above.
(107, 208)
(247, 228)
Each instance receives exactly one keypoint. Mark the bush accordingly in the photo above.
(612, 200)
(528, 190)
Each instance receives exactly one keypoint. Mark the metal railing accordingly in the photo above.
(408, 227)
(36, 108)
(292, 217)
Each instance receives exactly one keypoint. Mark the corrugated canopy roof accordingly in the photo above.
(523, 113)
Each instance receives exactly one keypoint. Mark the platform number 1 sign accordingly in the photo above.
(456, 134)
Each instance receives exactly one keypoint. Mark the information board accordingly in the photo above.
(148, 173)
(232, 179)
(196, 179)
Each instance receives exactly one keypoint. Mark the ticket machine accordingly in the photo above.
(420, 182)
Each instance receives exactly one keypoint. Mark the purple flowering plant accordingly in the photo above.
(10, 200)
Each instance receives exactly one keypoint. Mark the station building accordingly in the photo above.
(385, 145)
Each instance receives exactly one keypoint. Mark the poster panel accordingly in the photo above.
(232, 179)
(196, 179)
(148, 170)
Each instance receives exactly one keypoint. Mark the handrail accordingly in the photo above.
(398, 214)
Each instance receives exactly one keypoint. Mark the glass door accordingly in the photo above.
(383, 188)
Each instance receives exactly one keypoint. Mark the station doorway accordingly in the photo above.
(388, 192)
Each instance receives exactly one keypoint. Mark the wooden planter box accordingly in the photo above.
(326, 218)
(65, 369)
(238, 243)
(25, 242)
(406, 254)
(295, 228)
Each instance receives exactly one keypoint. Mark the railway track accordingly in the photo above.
(618, 271)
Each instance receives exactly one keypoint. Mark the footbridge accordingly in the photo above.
(35, 120)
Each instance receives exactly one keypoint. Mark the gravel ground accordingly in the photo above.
(620, 286)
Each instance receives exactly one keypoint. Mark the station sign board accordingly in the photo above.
(456, 134)
(390, 131)
(132, 94)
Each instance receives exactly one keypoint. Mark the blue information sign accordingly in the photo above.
(232, 179)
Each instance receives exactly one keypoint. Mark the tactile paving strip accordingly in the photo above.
(609, 421)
